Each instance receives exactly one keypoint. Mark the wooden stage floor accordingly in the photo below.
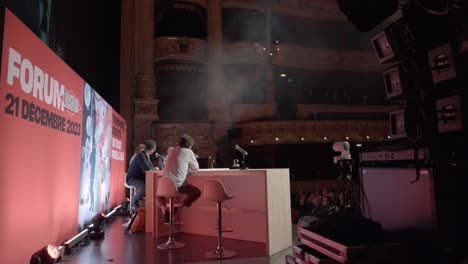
(120, 248)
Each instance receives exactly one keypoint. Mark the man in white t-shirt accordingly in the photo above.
(180, 161)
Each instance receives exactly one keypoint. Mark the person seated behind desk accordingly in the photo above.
(136, 171)
(139, 148)
(180, 161)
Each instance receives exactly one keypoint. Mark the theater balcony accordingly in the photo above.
(314, 124)
(179, 49)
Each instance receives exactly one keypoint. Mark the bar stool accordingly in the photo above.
(213, 190)
(168, 189)
(132, 190)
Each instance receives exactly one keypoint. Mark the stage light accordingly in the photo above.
(69, 244)
(113, 213)
(46, 255)
(393, 42)
(366, 14)
(96, 231)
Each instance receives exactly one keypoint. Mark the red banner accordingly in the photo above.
(42, 132)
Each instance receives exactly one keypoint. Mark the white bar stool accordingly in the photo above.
(213, 190)
(168, 189)
(132, 190)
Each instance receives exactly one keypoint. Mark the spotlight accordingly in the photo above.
(46, 255)
(96, 231)
(393, 42)
(366, 14)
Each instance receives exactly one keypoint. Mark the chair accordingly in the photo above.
(132, 190)
(213, 190)
(168, 189)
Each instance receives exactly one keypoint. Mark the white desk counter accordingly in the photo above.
(260, 212)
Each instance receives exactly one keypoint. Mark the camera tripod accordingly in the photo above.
(346, 198)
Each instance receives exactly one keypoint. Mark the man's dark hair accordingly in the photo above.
(150, 144)
(186, 141)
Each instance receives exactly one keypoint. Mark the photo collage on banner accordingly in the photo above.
(96, 152)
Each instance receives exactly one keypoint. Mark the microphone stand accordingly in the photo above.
(243, 167)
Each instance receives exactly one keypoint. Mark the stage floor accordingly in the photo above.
(120, 248)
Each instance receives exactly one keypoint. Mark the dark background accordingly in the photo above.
(85, 34)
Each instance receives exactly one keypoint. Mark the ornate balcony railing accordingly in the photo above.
(247, 112)
(244, 52)
(180, 48)
(302, 131)
(324, 59)
(306, 110)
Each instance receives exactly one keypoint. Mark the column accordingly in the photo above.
(145, 102)
(127, 67)
(144, 28)
(218, 104)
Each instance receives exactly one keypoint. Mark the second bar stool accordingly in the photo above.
(168, 189)
(213, 190)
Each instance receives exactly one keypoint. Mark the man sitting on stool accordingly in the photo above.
(179, 162)
(136, 171)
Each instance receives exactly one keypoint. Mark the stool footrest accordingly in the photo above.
(224, 229)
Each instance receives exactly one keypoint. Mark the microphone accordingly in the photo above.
(241, 150)
(159, 156)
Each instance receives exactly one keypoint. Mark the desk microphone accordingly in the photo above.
(159, 156)
(241, 150)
